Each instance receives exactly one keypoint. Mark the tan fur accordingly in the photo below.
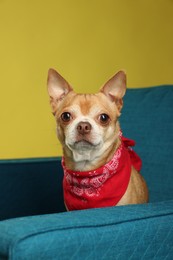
(137, 191)
(96, 147)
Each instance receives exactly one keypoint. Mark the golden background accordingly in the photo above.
(87, 42)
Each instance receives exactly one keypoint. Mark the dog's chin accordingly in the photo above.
(84, 150)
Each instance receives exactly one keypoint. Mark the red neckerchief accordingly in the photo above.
(104, 186)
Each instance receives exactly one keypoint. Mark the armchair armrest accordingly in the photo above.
(126, 232)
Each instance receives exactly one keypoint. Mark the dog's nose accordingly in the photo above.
(83, 128)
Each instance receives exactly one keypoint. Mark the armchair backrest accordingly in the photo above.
(147, 117)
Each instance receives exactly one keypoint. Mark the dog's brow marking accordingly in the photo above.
(86, 103)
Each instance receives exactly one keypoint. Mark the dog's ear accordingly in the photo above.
(115, 88)
(58, 87)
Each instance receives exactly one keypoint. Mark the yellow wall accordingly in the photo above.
(87, 41)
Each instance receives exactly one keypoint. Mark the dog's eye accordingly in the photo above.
(104, 119)
(66, 116)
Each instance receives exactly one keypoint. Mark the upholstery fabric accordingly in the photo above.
(129, 232)
(34, 224)
(147, 117)
(30, 187)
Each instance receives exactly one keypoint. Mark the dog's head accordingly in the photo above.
(87, 124)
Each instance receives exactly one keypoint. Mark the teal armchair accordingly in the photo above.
(35, 225)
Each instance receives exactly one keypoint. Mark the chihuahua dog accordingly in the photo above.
(100, 167)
